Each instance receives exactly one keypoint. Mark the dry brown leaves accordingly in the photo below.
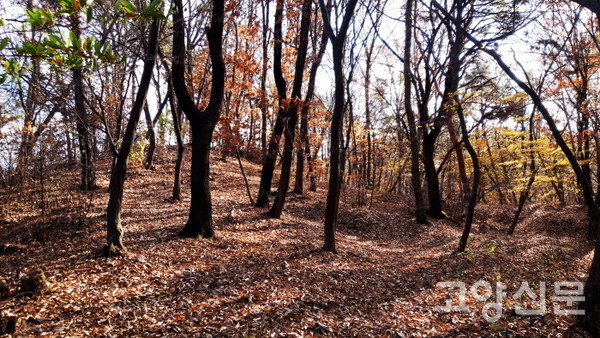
(267, 277)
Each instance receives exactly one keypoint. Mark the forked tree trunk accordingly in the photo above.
(202, 122)
(335, 179)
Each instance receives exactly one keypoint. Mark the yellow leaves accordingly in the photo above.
(519, 97)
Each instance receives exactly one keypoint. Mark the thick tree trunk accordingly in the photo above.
(199, 222)
(114, 235)
(431, 176)
(202, 122)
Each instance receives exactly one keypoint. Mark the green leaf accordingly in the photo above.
(89, 14)
(55, 41)
(35, 18)
(3, 43)
(48, 17)
(154, 10)
(128, 7)
(75, 41)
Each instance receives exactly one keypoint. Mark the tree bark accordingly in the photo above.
(304, 148)
(292, 114)
(202, 122)
(266, 176)
(335, 181)
(410, 116)
(114, 235)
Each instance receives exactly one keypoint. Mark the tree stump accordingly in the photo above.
(33, 283)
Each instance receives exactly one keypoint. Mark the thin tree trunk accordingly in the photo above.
(335, 179)
(410, 115)
(148, 162)
(176, 116)
(460, 159)
(292, 114)
(114, 236)
(266, 176)
(304, 148)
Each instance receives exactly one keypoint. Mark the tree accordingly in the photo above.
(412, 128)
(304, 147)
(266, 176)
(203, 121)
(335, 180)
(114, 234)
(292, 112)
(591, 319)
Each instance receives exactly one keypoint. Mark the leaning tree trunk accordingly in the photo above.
(202, 122)
(266, 175)
(462, 245)
(292, 115)
(114, 234)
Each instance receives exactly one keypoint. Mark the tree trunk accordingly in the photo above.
(199, 222)
(462, 245)
(148, 162)
(86, 149)
(304, 148)
(460, 159)
(266, 176)
(410, 115)
(176, 116)
(431, 176)
(292, 115)
(202, 122)
(114, 235)
(263, 78)
(333, 192)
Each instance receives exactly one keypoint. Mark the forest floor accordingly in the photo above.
(268, 277)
